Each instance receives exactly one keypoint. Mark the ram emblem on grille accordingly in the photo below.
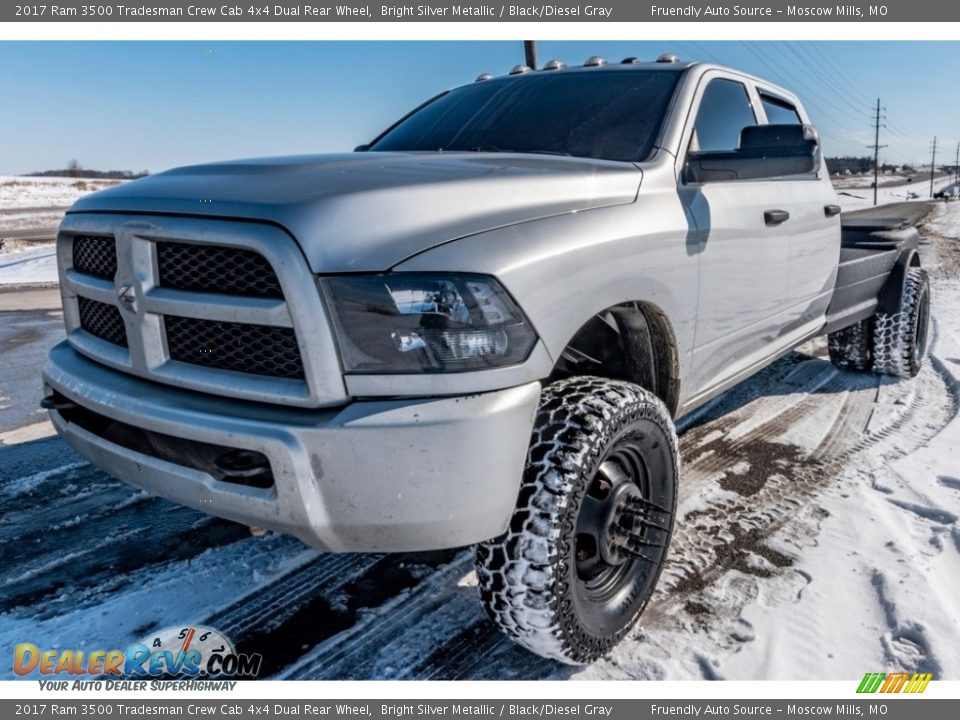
(128, 297)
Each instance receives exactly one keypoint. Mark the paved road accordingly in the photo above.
(30, 324)
(31, 234)
(32, 210)
(904, 213)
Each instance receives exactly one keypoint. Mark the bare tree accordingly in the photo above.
(73, 168)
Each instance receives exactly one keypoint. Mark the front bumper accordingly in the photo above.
(397, 475)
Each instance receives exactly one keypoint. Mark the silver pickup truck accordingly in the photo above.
(476, 329)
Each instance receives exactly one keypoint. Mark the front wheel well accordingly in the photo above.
(631, 341)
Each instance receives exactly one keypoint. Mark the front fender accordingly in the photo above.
(563, 270)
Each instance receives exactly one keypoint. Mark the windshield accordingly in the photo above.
(607, 115)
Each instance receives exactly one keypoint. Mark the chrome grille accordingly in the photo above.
(102, 320)
(95, 255)
(206, 304)
(255, 349)
(212, 268)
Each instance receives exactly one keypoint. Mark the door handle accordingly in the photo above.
(775, 217)
(832, 210)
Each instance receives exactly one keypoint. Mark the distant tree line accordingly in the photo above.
(854, 165)
(74, 169)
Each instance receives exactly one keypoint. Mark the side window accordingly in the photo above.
(779, 112)
(724, 111)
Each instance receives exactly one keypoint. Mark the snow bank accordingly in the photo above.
(30, 192)
(29, 265)
(859, 198)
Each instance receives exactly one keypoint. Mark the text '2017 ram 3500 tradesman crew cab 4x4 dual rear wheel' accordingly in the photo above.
(477, 329)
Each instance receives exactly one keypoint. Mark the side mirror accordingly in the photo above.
(766, 151)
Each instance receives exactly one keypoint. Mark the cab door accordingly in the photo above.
(813, 229)
(742, 247)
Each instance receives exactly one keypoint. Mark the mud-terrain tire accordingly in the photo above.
(900, 339)
(852, 347)
(601, 477)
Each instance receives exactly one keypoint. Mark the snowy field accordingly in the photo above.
(818, 538)
(858, 198)
(35, 204)
(28, 264)
(18, 193)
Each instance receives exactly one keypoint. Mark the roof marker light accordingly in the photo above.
(555, 65)
(483, 76)
(668, 58)
(630, 61)
(594, 61)
(519, 69)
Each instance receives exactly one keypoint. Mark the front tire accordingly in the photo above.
(593, 523)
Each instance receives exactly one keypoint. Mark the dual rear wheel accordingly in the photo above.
(888, 344)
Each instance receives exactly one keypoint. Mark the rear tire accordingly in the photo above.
(852, 347)
(594, 519)
(900, 339)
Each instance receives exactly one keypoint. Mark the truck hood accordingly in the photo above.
(369, 211)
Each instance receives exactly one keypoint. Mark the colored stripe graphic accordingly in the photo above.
(870, 682)
(894, 682)
(901, 682)
(919, 682)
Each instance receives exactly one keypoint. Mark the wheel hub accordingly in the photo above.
(620, 523)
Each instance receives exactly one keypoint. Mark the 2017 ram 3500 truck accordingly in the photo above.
(477, 329)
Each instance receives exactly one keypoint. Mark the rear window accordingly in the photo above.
(607, 115)
(779, 112)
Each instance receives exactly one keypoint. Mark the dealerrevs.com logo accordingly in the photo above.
(895, 682)
(192, 651)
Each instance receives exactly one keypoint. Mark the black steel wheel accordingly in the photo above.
(592, 527)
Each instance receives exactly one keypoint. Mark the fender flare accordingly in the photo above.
(888, 301)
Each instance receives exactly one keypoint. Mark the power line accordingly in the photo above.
(841, 77)
(797, 81)
(706, 52)
(772, 62)
(824, 77)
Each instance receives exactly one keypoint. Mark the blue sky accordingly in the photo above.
(154, 105)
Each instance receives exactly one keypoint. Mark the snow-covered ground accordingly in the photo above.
(865, 181)
(29, 264)
(35, 204)
(856, 198)
(33, 192)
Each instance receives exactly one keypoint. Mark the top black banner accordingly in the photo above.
(561, 11)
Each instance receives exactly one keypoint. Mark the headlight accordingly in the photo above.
(412, 323)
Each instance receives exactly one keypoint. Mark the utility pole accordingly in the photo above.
(933, 164)
(956, 167)
(876, 149)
